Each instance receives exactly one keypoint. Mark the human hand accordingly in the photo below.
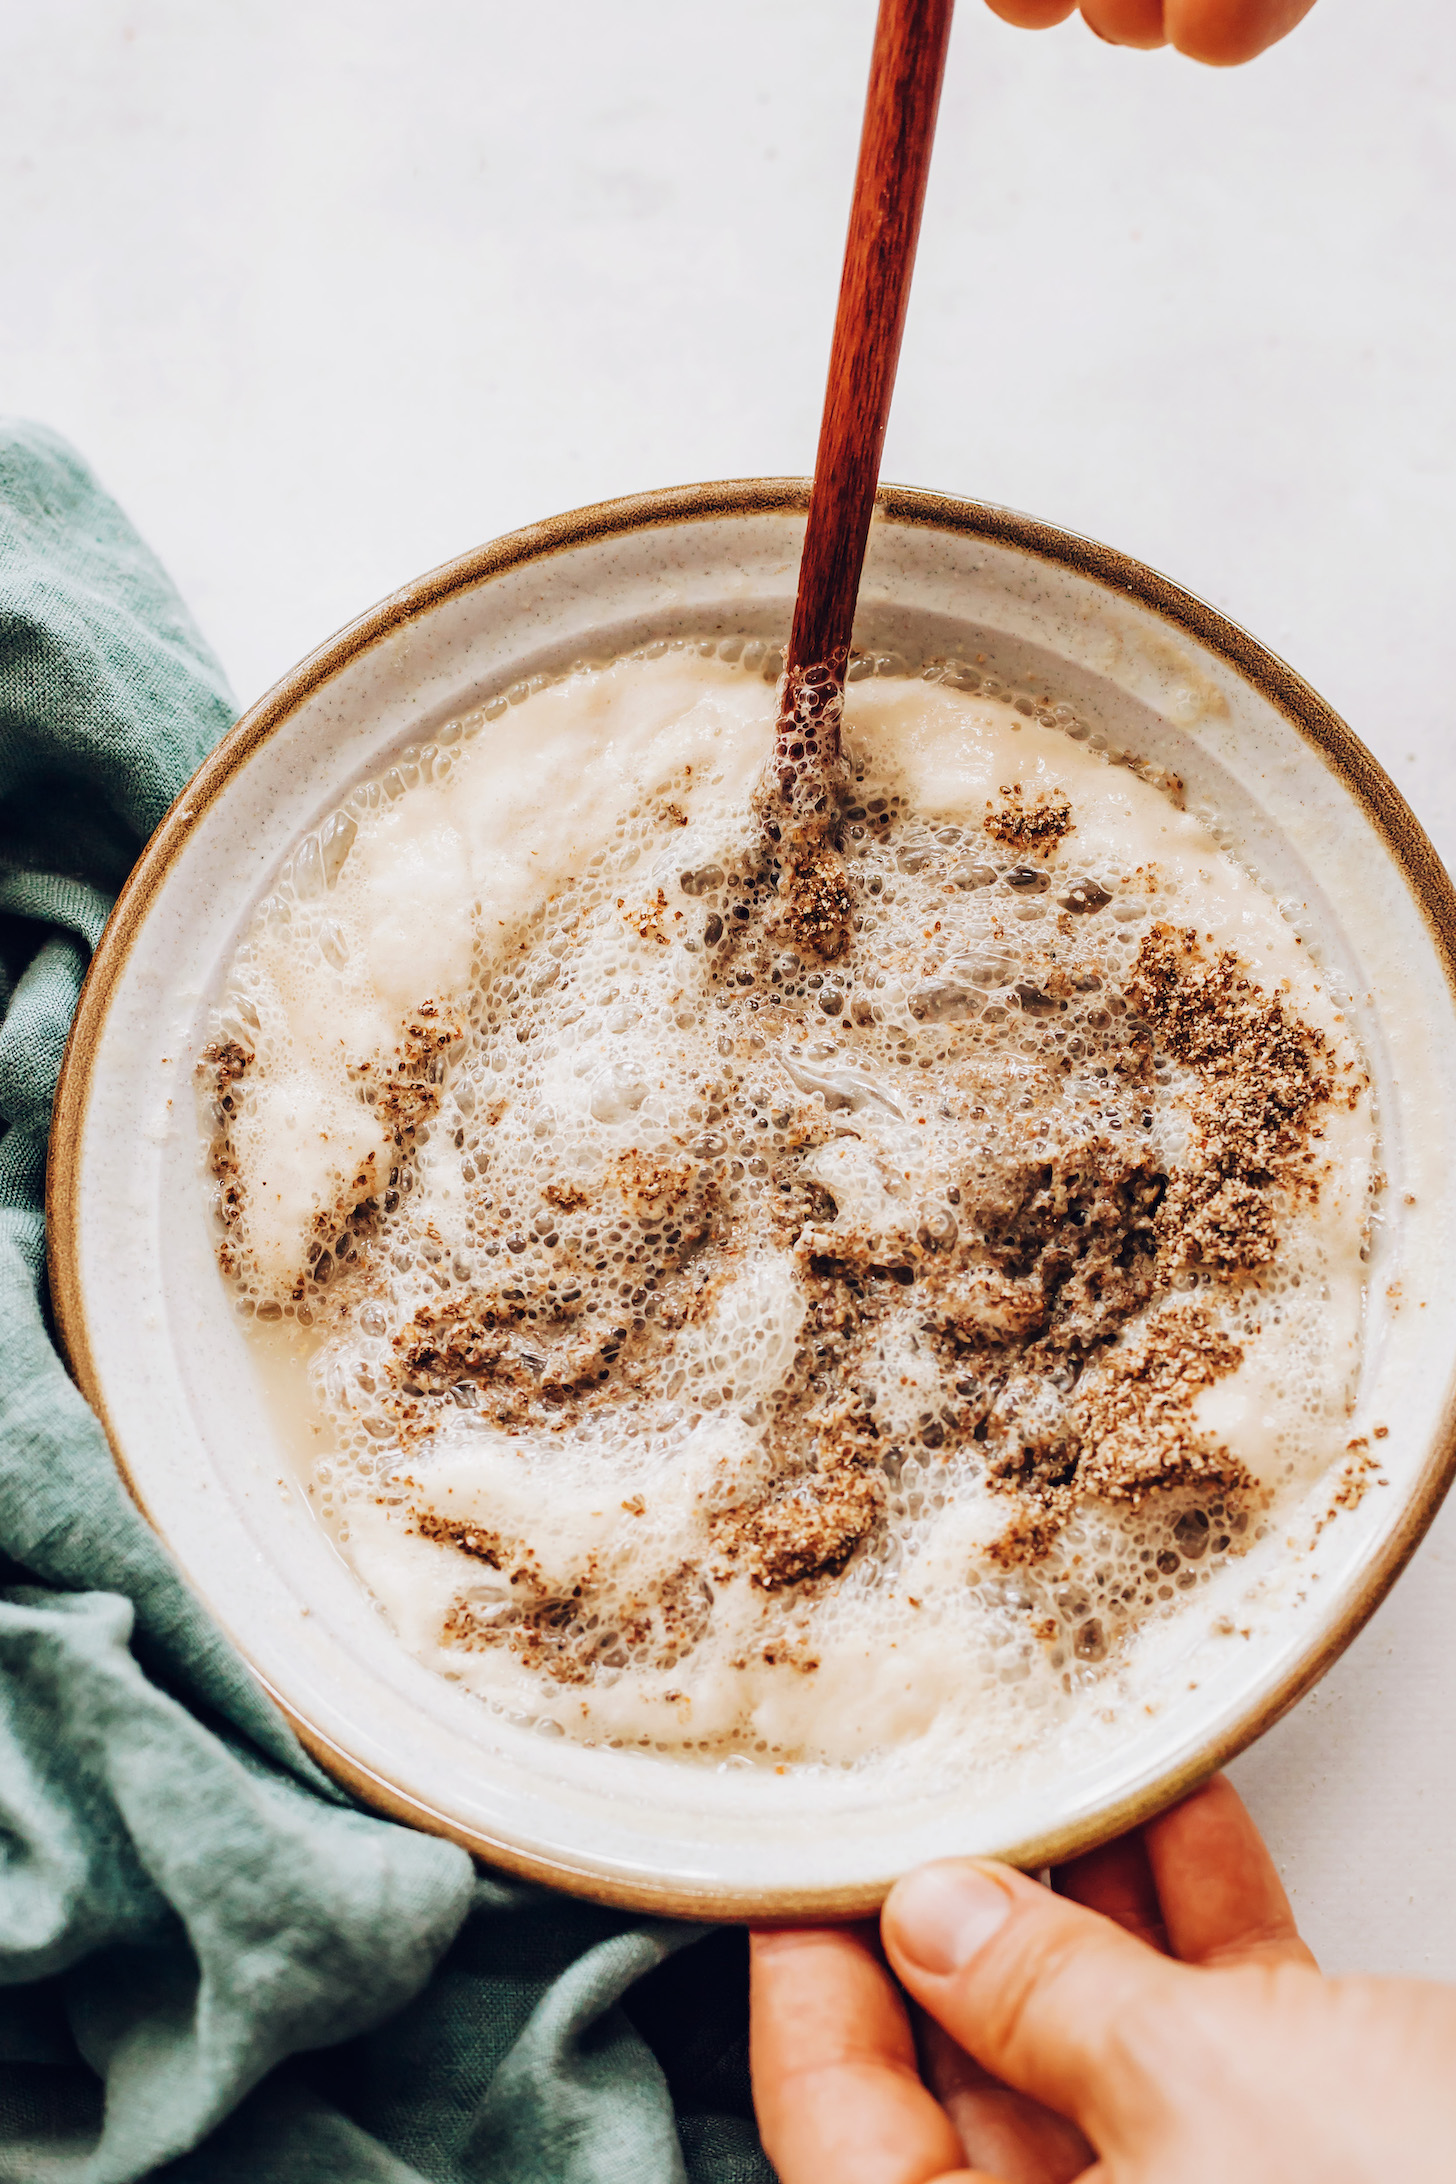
(1221, 32)
(1060, 2039)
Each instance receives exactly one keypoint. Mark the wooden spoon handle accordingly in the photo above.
(879, 257)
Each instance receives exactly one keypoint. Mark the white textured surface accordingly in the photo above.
(329, 294)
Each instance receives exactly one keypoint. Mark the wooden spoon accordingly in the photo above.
(802, 797)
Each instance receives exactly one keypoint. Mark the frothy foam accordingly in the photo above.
(730, 1351)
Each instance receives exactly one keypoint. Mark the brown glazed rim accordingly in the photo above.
(1366, 781)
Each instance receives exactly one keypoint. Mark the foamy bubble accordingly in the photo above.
(630, 1255)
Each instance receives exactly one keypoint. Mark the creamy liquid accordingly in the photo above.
(680, 1380)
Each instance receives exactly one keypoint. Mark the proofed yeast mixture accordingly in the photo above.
(702, 1342)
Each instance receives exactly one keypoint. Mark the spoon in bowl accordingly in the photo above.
(802, 794)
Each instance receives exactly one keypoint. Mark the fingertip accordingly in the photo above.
(1135, 23)
(768, 1941)
(1222, 1898)
(805, 1974)
(768, 1945)
(939, 1917)
(1028, 1983)
(1214, 46)
(835, 2085)
(1212, 1823)
(1117, 1880)
(1229, 33)
(1033, 14)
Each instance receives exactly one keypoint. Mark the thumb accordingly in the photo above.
(1047, 1996)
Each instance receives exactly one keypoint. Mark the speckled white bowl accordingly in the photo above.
(157, 1348)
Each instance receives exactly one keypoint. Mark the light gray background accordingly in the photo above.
(329, 292)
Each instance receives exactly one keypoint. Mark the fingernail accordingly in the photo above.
(943, 1914)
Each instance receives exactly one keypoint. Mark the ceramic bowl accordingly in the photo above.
(157, 1347)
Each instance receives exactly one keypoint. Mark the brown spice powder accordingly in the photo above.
(1029, 829)
(811, 1524)
(1261, 1077)
(1136, 1419)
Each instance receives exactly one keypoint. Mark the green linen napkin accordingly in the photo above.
(212, 1965)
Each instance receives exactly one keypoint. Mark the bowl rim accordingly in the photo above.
(1360, 773)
